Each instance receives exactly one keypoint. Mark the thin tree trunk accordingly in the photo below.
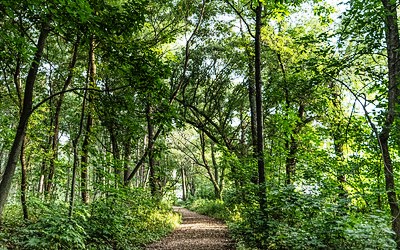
(1, 159)
(18, 87)
(85, 160)
(217, 190)
(150, 131)
(6, 180)
(68, 185)
(183, 174)
(291, 160)
(17, 82)
(214, 162)
(116, 154)
(76, 157)
(127, 159)
(73, 180)
(393, 45)
(259, 110)
(23, 180)
(252, 101)
(56, 125)
(47, 146)
(88, 127)
(219, 178)
(253, 112)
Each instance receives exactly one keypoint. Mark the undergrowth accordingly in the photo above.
(124, 220)
(298, 221)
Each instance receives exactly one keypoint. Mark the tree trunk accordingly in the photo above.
(85, 160)
(150, 131)
(291, 160)
(23, 180)
(76, 157)
(252, 101)
(47, 146)
(127, 158)
(219, 177)
(184, 195)
(18, 88)
(88, 127)
(6, 180)
(56, 125)
(73, 180)
(1, 159)
(211, 176)
(393, 45)
(259, 110)
(116, 154)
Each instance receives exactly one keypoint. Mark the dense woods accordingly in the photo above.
(279, 117)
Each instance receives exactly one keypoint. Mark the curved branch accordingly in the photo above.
(239, 13)
(181, 83)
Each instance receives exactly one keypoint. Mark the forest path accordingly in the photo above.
(196, 232)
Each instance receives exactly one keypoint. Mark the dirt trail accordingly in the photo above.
(196, 232)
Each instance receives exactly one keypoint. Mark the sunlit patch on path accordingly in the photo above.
(196, 232)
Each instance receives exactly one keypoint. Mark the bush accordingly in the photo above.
(54, 231)
(125, 220)
(213, 208)
(304, 221)
(120, 224)
(296, 220)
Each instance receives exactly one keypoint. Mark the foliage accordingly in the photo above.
(213, 208)
(132, 222)
(128, 220)
(296, 220)
(183, 72)
(303, 221)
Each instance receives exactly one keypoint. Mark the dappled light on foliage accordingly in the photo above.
(279, 119)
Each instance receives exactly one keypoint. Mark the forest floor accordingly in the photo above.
(196, 232)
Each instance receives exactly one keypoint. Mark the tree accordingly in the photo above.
(393, 44)
(24, 117)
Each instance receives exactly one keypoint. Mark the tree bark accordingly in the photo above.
(116, 153)
(75, 142)
(127, 159)
(85, 159)
(6, 180)
(150, 131)
(211, 176)
(88, 127)
(291, 160)
(23, 180)
(218, 172)
(18, 88)
(184, 195)
(252, 101)
(393, 45)
(259, 110)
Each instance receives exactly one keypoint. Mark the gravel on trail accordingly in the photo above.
(196, 232)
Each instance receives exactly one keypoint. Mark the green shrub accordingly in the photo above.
(127, 219)
(303, 221)
(213, 208)
(128, 223)
(54, 232)
(53, 229)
